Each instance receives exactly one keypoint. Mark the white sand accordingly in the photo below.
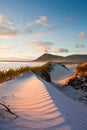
(40, 106)
(59, 73)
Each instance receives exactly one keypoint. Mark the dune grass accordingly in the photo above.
(81, 72)
(12, 73)
(42, 71)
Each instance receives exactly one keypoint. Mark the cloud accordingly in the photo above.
(42, 33)
(68, 19)
(59, 50)
(45, 49)
(43, 20)
(5, 48)
(39, 32)
(29, 25)
(1, 18)
(79, 45)
(50, 49)
(5, 19)
(43, 46)
(7, 27)
(6, 32)
(35, 30)
(82, 35)
(41, 43)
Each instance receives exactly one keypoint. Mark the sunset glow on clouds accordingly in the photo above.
(29, 28)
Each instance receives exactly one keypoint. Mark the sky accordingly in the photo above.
(30, 28)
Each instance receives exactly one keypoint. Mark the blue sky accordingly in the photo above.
(29, 28)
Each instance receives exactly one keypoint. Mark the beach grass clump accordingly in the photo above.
(6, 75)
(42, 71)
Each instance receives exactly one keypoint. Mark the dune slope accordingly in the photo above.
(40, 106)
(59, 72)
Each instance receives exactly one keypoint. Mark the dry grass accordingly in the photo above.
(81, 71)
(13, 73)
(42, 71)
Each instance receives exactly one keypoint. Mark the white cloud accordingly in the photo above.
(79, 45)
(5, 19)
(42, 46)
(1, 19)
(43, 20)
(6, 32)
(7, 28)
(44, 32)
(35, 30)
(41, 33)
(38, 21)
(45, 49)
(41, 43)
(59, 50)
(82, 35)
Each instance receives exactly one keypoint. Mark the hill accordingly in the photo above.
(71, 58)
(48, 57)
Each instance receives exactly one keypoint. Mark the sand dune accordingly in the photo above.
(40, 106)
(59, 72)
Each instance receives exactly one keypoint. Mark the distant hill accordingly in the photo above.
(76, 58)
(70, 58)
(48, 57)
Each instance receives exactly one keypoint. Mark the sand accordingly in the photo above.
(40, 106)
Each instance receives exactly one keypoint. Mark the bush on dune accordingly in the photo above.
(81, 70)
(79, 78)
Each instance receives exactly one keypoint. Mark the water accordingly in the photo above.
(15, 65)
